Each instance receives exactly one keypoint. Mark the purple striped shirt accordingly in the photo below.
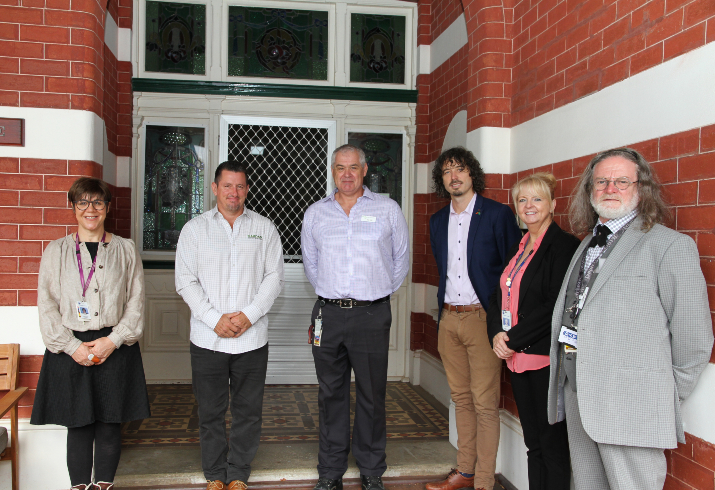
(364, 256)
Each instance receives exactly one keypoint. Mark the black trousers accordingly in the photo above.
(214, 373)
(354, 339)
(548, 458)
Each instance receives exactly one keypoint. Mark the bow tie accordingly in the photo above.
(602, 232)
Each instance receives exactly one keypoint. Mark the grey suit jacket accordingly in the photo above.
(645, 335)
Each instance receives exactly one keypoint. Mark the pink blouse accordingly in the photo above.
(519, 362)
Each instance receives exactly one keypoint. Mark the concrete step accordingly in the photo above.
(391, 483)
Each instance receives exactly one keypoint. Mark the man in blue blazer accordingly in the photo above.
(470, 239)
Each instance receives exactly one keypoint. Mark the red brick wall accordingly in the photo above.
(691, 465)
(528, 57)
(33, 212)
(564, 50)
(52, 54)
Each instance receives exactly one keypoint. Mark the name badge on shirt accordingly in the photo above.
(369, 219)
(83, 312)
(506, 320)
(568, 337)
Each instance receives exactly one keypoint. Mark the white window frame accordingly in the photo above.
(410, 50)
(216, 68)
(295, 5)
(140, 174)
(141, 47)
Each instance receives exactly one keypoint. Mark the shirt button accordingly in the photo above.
(96, 290)
(96, 313)
(101, 266)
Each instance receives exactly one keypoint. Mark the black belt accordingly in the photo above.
(349, 302)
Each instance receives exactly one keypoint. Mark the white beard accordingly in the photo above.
(608, 213)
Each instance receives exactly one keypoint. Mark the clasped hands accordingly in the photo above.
(100, 348)
(232, 325)
(500, 349)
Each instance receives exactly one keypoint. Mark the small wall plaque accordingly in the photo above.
(12, 132)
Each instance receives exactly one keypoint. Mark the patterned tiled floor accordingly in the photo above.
(290, 413)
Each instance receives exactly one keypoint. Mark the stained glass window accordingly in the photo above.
(383, 153)
(377, 48)
(173, 183)
(264, 42)
(175, 38)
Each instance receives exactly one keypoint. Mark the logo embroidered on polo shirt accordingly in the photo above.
(256, 237)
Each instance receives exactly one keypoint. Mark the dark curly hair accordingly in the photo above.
(463, 157)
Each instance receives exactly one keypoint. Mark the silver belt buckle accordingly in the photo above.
(346, 303)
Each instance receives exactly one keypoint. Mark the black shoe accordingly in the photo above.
(372, 482)
(328, 484)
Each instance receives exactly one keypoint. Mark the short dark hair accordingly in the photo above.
(89, 187)
(461, 156)
(231, 166)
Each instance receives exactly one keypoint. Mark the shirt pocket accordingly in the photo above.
(369, 230)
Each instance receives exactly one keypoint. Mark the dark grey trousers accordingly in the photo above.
(353, 339)
(214, 373)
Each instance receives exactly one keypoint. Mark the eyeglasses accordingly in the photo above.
(83, 204)
(622, 183)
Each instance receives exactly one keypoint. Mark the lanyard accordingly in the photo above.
(85, 285)
(513, 273)
(584, 275)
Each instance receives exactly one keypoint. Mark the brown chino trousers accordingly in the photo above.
(473, 372)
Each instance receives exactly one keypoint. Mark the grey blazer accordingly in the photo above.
(645, 335)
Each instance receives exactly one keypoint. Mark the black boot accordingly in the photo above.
(372, 482)
(328, 484)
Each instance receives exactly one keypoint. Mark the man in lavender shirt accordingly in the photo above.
(355, 254)
(470, 238)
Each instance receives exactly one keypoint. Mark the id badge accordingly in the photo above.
(569, 338)
(506, 320)
(83, 313)
(318, 331)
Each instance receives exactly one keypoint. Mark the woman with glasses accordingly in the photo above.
(519, 325)
(90, 298)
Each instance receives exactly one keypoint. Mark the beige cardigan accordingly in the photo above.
(115, 293)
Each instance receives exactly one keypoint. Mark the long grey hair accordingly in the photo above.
(651, 205)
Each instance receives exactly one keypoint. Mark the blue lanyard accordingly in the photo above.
(513, 273)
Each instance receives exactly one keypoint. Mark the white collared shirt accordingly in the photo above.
(364, 256)
(459, 289)
(220, 270)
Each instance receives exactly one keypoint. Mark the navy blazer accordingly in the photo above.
(492, 232)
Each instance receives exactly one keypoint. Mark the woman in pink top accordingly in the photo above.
(519, 325)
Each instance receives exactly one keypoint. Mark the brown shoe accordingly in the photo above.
(454, 481)
(237, 485)
(215, 485)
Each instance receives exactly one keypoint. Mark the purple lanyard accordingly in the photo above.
(85, 285)
(513, 274)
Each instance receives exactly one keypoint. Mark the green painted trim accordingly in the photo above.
(158, 264)
(273, 90)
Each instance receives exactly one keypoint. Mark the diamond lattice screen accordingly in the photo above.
(288, 173)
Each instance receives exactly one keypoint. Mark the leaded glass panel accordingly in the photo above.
(277, 43)
(377, 48)
(288, 173)
(175, 38)
(383, 153)
(173, 183)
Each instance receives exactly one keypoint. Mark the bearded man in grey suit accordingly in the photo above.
(631, 330)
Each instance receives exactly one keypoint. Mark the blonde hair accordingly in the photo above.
(543, 183)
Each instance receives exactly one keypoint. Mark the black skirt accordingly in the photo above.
(73, 395)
